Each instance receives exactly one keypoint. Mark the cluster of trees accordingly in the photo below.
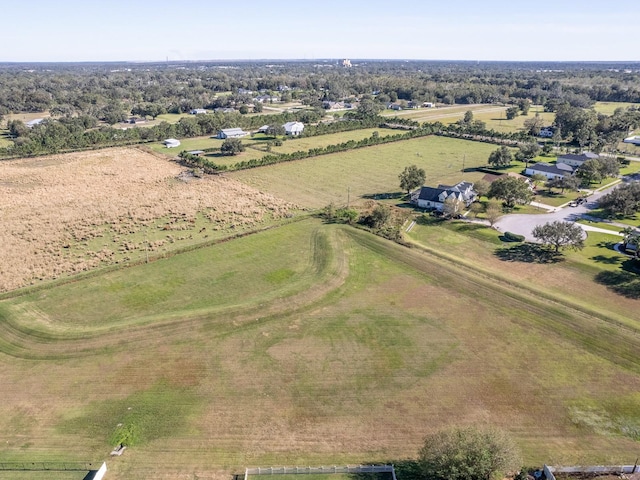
(511, 190)
(624, 200)
(559, 235)
(596, 169)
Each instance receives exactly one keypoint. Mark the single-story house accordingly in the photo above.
(263, 129)
(576, 160)
(394, 106)
(293, 128)
(231, 133)
(34, 122)
(546, 132)
(197, 111)
(428, 104)
(635, 140)
(224, 110)
(171, 143)
(559, 170)
(197, 153)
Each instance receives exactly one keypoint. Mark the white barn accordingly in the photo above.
(171, 143)
(231, 133)
(293, 128)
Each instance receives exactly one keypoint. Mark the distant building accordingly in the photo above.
(34, 122)
(428, 104)
(576, 160)
(198, 111)
(171, 143)
(231, 133)
(559, 170)
(433, 198)
(293, 128)
(346, 63)
(633, 140)
(546, 132)
(196, 153)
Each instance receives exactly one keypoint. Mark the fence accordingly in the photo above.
(316, 470)
(595, 469)
(49, 466)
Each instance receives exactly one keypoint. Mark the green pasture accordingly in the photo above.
(4, 140)
(442, 114)
(290, 145)
(366, 172)
(609, 107)
(498, 120)
(316, 344)
(201, 143)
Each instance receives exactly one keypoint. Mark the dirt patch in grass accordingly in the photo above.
(64, 214)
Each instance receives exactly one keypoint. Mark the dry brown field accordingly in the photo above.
(65, 214)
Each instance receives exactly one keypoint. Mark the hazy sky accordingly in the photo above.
(100, 30)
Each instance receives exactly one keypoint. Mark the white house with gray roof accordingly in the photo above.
(559, 170)
(574, 160)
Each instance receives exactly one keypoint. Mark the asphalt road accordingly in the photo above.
(525, 223)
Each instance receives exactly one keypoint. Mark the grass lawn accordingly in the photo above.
(4, 140)
(200, 143)
(554, 198)
(317, 344)
(498, 120)
(369, 171)
(609, 107)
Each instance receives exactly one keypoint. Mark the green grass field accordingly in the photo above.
(443, 114)
(609, 107)
(317, 344)
(316, 182)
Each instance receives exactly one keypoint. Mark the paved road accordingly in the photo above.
(523, 224)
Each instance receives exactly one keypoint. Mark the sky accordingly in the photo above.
(146, 30)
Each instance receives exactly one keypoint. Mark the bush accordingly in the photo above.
(513, 237)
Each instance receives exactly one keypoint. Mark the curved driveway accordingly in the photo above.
(523, 224)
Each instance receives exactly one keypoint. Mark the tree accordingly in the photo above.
(481, 188)
(624, 200)
(568, 182)
(452, 207)
(590, 171)
(493, 212)
(534, 125)
(511, 191)
(501, 157)
(559, 235)
(412, 177)
(512, 112)
(524, 104)
(257, 107)
(468, 117)
(275, 130)
(232, 146)
(368, 109)
(527, 151)
(468, 453)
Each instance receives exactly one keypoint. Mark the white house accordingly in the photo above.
(231, 133)
(559, 170)
(633, 140)
(576, 160)
(293, 128)
(171, 143)
(434, 198)
(197, 111)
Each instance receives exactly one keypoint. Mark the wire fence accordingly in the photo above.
(320, 470)
(49, 466)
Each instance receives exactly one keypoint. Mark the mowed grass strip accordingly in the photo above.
(356, 174)
(406, 345)
(220, 277)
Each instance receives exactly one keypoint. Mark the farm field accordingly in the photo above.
(335, 347)
(498, 120)
(609, 107)
(443, 114)
(316, 182)
(66, 214)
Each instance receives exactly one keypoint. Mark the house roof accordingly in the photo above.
(291, 125)
(171, 140)
(432, 194)
(557, 169)
(196, 152)
(34, 122)
(231, 131)
(583, 157)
